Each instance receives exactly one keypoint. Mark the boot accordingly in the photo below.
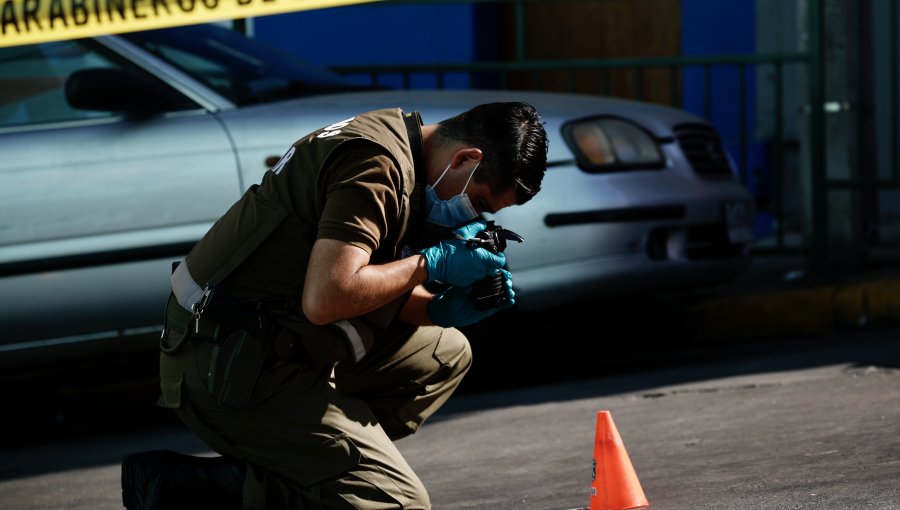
(165, 480)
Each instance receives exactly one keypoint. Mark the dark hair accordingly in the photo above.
(512, 140)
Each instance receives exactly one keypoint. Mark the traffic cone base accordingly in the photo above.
(615, 485)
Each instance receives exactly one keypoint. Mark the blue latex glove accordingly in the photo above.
(454, 307)
(452, 262)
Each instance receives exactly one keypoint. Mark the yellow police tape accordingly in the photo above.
(31, 21)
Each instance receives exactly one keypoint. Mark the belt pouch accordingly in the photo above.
(235, 364)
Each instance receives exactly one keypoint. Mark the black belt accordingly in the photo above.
(180, 320)
(207, 329)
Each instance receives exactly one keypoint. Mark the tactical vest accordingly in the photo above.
(259, 249)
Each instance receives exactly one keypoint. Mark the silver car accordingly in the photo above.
(117, 153)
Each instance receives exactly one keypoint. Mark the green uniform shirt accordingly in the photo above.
(350, 181)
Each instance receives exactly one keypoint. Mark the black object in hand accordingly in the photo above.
(489, 292)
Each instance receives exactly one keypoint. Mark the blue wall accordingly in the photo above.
(716, 27)
(378, 34)
(426, 33)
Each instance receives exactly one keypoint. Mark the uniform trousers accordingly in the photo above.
(322, 437)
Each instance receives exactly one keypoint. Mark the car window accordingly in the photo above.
(32, 82)
(244, 70)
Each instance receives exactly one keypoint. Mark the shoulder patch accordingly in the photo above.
(335, 128)
(283, 161)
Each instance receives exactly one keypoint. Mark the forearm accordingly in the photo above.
(340, 283)
(377, 285)
(415, 311)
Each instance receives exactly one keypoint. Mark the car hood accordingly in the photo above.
(436, 105)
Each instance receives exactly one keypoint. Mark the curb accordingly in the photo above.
(815, 310)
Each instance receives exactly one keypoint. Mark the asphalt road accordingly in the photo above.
(810, 423)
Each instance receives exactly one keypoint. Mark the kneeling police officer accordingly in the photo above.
(315, 323)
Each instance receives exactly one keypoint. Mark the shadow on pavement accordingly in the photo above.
(91, 417)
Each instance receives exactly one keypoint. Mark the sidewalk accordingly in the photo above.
(775, 298)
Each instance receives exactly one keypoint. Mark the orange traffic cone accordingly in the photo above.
(615, 485)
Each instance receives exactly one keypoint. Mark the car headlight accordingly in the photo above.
(607, 143)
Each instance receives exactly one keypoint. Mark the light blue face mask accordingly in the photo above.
(454, 211)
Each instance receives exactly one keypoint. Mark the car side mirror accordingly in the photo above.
(114, 90)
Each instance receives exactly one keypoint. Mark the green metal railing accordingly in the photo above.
(815, 226)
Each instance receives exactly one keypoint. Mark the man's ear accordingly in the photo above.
(463, 155)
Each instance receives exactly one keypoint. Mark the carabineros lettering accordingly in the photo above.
(25, 16)
(188, 5)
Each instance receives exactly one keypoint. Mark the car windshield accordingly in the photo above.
(244, 70)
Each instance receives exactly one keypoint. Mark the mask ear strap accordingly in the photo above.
(470, 177)
(442, 175)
